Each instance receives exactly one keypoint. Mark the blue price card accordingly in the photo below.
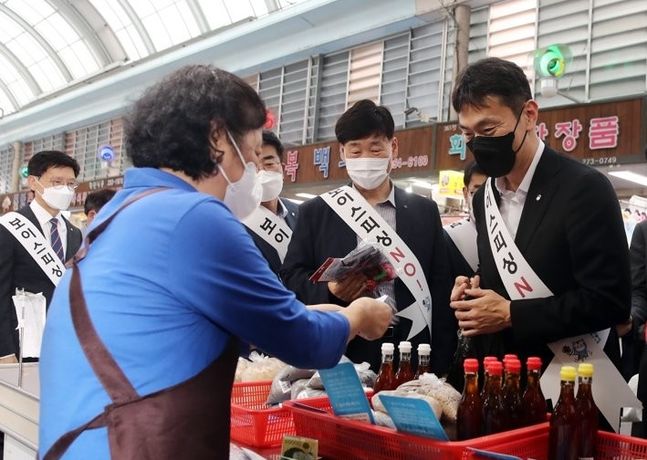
(346, 394)
(487, 454)
(413, 416)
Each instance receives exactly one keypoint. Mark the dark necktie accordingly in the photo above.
(55, 238)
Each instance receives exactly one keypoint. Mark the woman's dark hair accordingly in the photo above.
(491, 77)
(362, 120)
(42, 161)
(170, 125)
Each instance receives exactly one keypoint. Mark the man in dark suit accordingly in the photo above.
(473, 179)
(366, 135)
(52, 177)
(563, 216)
(271, 178)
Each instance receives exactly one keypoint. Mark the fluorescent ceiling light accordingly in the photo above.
(295, 201)
(305, 195)
(630, 176)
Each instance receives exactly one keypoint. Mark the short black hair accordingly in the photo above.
(491, 77)
(471, 169)
(96, 200)
(42, 161)
(362, 120)
(269, 138)
(170, 125)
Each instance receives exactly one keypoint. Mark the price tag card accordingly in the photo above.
(413, 416)
(487, 454)
(346, 394)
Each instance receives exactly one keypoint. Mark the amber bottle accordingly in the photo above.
(486, 362)
(534, 402)
(385, 377)
(470, 409)
(512, 405)
(424, 359)
(587, 412)
(405, 371)
(493, 413)
(563, 439)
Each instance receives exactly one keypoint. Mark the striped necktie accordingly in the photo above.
(55, 238)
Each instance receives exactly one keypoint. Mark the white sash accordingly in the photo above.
(367, 223)
(271, 228)
(463, 234)
(610, 390)
(35, 244)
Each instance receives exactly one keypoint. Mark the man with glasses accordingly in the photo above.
(271, 227)
(30, 258)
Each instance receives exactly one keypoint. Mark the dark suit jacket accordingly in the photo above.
(320, 233)
(19, 270)
(638, 255)
(266, 249)
(572, 235)
(458, 265)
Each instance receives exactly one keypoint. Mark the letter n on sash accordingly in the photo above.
(520, 287)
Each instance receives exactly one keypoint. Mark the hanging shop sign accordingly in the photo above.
(597, 134)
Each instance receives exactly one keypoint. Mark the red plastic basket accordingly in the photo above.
(254, 423)
(346, 439)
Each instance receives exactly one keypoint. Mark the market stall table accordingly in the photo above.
(19, 411)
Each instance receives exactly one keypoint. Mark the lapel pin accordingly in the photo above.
(538, 197)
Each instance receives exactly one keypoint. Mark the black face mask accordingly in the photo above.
(494, 154)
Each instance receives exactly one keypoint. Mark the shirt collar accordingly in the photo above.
(153, 177)
(281, 210)
(390, 198)
(42, 216)
(527, 178)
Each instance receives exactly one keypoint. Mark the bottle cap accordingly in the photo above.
(388, 347)
(405, 346)
(533, 363)
(424, 349)
(487, 361)
(495, 368)
(585, 370)
(513, 365)
(471, 365)
(509, 356)
(567, 373)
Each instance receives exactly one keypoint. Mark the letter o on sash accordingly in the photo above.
(409, 269)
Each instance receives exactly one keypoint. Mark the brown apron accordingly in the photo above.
(188, 420)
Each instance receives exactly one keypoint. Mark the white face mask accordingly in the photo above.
(368, 173)
(272, 183)
(243, 196)
(58, 197)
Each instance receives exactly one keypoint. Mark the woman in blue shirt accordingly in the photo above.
(145, 324)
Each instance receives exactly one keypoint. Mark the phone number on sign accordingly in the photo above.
(602, 161)
(419, 161)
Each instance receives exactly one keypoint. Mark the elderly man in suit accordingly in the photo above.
(552, 249)
(52, 178)
(269, 238)
(368, 146)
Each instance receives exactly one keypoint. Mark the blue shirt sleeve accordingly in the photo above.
(231, 283)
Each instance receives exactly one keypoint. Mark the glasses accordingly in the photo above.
(72, 185)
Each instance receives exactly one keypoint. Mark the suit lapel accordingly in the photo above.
(541, 192)
(72, 240)
(402, 213)
(29, 214)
